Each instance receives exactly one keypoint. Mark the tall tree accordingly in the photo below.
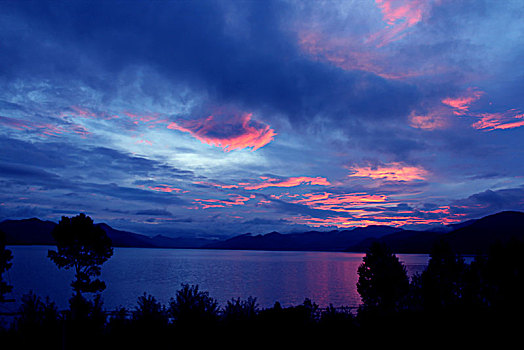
(84, 247)
(504, 276)
(383, 282)
(441, 285)
(5, 257)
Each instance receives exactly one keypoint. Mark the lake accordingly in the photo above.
(287, 277)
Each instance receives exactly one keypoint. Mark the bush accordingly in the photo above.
(35, 314)
(39, 324)
(150, 312)
(239, 311)
(192, 306)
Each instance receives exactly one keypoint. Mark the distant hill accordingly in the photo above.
(306, 241)
(470, 237)
(28, 231)
(38, 232)
(127, 239)
(161, 241)
(407, 241)
(481, 234)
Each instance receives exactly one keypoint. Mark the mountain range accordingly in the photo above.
(473, 236)
(305, 241)
(38, 232)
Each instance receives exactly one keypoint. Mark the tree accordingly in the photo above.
(5, 257)
(441, 285)
(503, 274)
(84, 247)
(383, 282)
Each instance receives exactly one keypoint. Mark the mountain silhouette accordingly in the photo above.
(38, 232)
(481, 234)
(469, 237)
(306, 241)
(407, 241)
(28, 231)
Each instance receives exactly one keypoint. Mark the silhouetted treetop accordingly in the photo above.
(442, 283)
(84, 247)
(383, 282)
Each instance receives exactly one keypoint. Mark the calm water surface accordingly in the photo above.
(287, 277)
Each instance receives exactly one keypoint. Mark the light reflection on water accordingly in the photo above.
(287, 277)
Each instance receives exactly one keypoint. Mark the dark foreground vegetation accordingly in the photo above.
(450, 301)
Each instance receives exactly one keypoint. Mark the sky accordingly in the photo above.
(217, 118)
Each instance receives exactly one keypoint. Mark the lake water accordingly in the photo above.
(287, 277)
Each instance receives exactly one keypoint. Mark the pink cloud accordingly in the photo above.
(462, 103)
(229, 132)
(392, 172)
(438, 116)
(349, 202)
(80, 112)
(44, 129)
(506, 120)
(146, 142)
(216, 184)
(363, 218)
(151, 120)
(460, 106)
(235, 199)
(399, 15)
(433, 120)
(350, 54)
(165, 188)
(289, 182)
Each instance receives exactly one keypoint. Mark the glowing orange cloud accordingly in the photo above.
(506, 120)
(289, 182)
(461, 104)
(233, 133)
(392, 172)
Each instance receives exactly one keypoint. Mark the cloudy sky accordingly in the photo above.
(216, 118)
